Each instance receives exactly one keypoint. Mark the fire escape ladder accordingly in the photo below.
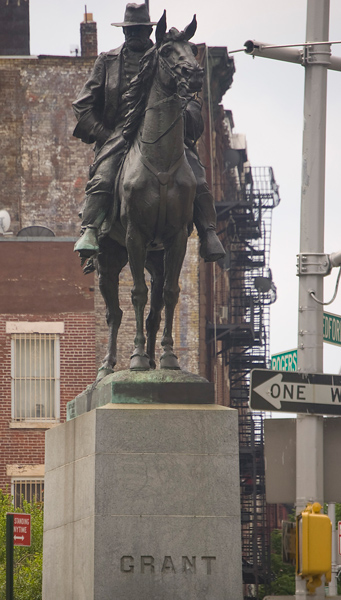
(244, 344)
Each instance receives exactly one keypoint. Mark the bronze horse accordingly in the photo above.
(156, 190)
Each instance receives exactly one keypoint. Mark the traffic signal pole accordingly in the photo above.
(309, 428)
(312, 262)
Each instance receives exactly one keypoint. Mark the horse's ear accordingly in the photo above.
(190, 30)
(161, 28)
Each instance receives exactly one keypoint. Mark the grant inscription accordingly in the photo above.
(148, 564)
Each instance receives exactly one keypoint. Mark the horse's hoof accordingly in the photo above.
(169, 361)
(103, 372)
(139, 362)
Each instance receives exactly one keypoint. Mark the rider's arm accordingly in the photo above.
(89, 107)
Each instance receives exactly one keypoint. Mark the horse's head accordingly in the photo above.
(179, 70)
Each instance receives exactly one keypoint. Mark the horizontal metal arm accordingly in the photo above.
(308, 53)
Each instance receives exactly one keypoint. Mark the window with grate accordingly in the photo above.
(35, 377)
(31, 490)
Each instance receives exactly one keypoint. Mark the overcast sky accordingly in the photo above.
(266, 99)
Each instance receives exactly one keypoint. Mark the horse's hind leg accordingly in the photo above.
(154, 264)
(174, 257)
(137, 255)
(110, 262)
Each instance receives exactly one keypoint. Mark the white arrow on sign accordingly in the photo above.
(19, 537)
(275, 391)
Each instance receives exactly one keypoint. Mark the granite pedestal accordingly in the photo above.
(142, 503)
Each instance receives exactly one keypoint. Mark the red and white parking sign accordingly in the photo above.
(339, 536)
(21, 529)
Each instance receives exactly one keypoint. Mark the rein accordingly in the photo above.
(163, 101)
(165, 132)
(163, 177)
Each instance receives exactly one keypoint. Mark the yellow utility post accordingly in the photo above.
(313, 546)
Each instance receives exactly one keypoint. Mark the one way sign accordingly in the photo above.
(295, 392)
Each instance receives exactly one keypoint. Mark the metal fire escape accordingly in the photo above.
(243, 340)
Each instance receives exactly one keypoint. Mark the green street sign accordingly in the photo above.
(285, 361)
(332, 329)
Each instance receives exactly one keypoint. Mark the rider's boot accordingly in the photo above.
(94, 213)
(87, 244)
(211, 248)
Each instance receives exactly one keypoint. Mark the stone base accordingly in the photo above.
(141, 503)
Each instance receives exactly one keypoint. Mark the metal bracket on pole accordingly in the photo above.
(310, 263)
(316, 55)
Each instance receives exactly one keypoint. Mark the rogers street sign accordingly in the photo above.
(295, 392)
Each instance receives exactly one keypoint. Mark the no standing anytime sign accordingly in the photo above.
(21, 529)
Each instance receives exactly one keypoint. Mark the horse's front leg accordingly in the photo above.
(136, 247)
(154, 264)
(110, 262)
(174, 257)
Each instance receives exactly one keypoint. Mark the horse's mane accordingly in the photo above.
(138, 92)
(139, 88)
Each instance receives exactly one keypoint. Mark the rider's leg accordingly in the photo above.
(204, 214)
(99, 200)
(211, 248)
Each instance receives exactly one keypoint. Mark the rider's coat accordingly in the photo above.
(97, 105)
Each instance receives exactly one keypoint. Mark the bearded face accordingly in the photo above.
(137, 37)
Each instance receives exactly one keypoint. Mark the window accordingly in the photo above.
(35, 377)
(31, 490)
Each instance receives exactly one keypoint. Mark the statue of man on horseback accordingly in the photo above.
(147, 185)
(101, 109)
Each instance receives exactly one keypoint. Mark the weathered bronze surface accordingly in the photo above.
(143, 387)
(140, 106)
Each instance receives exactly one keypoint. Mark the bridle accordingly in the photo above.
(185, 100)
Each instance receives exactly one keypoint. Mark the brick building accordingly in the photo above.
(52, 318)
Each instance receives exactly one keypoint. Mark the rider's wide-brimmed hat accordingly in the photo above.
(135, 14)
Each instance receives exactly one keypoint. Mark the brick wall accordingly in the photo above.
(40, 281)
(77, 370)
(46, 167)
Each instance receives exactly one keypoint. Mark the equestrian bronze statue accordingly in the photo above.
(146, 185)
